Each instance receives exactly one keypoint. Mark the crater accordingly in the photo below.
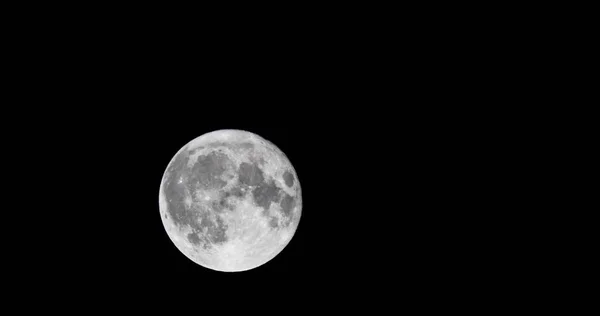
(288, 178)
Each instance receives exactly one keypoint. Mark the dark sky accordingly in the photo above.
(396, 151)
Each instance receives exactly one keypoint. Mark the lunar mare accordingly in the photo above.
(230, 200)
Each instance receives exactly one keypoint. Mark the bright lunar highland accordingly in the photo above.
(230, 200)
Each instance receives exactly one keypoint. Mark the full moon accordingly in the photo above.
(230, 200)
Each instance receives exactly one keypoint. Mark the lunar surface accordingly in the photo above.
(230, 200)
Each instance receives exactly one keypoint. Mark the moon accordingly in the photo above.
(230, 200)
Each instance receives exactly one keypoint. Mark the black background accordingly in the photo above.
(418, 120)
(407, 139)
(381, 162)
